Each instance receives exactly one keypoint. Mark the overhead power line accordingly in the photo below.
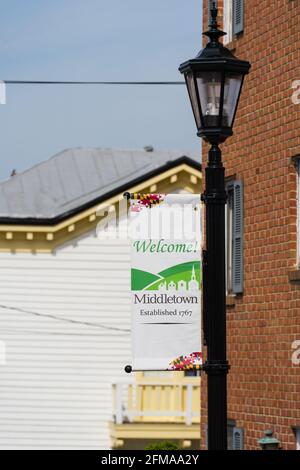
(64, 319)
(57, 333)
(61, 82)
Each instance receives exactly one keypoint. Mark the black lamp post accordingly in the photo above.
(214, 81)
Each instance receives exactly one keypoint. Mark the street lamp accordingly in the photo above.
(269, 442)
(214, 81)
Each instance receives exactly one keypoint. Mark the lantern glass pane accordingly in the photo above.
(231, 94)
(193, 97)
(209, 88)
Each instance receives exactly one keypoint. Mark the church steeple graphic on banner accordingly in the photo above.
(193, 283)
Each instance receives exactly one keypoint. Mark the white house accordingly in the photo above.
(64, 296)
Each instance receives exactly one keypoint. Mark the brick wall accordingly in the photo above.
(263, 384)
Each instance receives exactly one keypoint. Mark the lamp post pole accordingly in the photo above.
(216, 366)
(214, 80)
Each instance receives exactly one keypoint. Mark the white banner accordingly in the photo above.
(166, 281)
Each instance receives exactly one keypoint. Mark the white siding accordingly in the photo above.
(55, 387)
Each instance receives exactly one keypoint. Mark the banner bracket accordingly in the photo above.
(128, 369)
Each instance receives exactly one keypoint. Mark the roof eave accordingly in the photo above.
(50, 221)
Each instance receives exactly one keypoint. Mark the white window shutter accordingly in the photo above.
(206, 436)
(237, 233)
(228, 21)
(298, 439)
(238, 16)
(238, 439)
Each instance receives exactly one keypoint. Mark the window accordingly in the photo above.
(233, 19)
(297, 431)
(192, 373)
(235, 436)
(297, 162)
(227, 21)
(229, 237)
(234, 237)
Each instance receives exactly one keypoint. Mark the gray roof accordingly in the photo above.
(75, 177)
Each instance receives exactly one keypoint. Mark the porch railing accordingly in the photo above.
(156, 401)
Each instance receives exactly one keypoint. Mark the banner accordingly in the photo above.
(166, 281)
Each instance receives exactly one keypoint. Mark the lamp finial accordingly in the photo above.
(213, 14)
(214, 33)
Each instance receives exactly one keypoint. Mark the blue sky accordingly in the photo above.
(94, 40)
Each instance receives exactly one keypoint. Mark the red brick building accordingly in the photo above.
(263, 311)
